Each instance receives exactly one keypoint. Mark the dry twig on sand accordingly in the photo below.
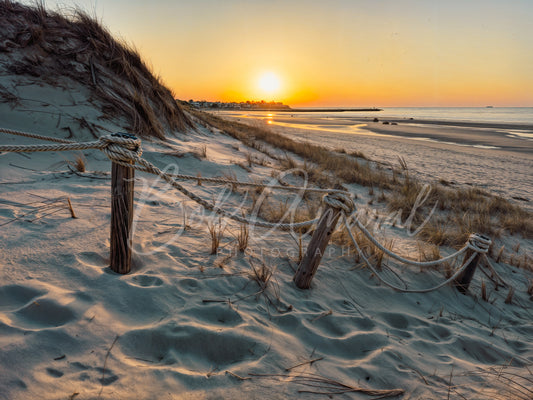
(41, 209)
(310, 362)
(105, 364)
(327, 386)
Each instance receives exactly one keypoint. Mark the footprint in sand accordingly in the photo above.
(146, 281)
(189, 285)
(43, 313)
(396, 320)
(193, 346)
(92, 259)
(85, 372)
(108, 376)
(13, 297)
(54, 372)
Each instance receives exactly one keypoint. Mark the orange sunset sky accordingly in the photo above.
(332, 53)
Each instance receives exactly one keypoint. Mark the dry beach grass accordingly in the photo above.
(81, 49)
(463, 211)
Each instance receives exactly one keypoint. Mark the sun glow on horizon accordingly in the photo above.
(346, 53)
(269, 83)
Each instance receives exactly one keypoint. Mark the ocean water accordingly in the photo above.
(500, 115)
(512, 115)
(503, 115)
(518, 119)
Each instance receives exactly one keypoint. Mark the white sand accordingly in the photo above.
(62, 310)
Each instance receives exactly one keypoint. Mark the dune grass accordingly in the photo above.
(343, 166)
(74, 44)
(459, 211)
(216, 233)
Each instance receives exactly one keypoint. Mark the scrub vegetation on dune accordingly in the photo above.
(460, 211)
(80, 48)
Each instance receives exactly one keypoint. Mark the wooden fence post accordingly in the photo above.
(122, 180)
(482, 244)
(319, 241)
(462, 282)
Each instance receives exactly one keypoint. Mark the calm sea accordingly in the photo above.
(511, 115)
(518, 115)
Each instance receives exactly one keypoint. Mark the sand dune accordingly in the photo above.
(185, 324)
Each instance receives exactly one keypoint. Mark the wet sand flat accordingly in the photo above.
(510, 137)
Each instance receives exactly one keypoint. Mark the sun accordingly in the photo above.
(269, 82)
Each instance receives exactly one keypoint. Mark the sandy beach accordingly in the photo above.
(189, 323)
(496, 157)
(481, 135)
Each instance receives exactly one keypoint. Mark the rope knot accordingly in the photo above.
(121, 147)
(479, 243)
(340, 201)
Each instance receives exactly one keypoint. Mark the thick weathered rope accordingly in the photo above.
(475, 243)
(253, 184)
(34, 135)
(392, 286)
(234, 182)
(52, 147)
(341, 201)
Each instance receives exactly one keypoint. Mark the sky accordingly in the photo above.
(361, 53)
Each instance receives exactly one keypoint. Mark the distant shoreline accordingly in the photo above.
(323, 110)
(299, 110)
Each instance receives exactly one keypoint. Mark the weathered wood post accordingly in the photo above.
(122, 182)
(319, 241)
(462, 282)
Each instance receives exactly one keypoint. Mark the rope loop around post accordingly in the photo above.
(479, 243)
(121, 147)
(340, 201)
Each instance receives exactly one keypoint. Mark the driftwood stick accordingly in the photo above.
(72, 213)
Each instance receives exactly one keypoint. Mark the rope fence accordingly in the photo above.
(124, 151)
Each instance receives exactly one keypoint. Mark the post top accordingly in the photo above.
(124, 135)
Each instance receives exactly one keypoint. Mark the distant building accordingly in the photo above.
(248, 105)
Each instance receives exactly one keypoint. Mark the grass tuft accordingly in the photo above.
(216, 232)
(79, 163)
(243, 237)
